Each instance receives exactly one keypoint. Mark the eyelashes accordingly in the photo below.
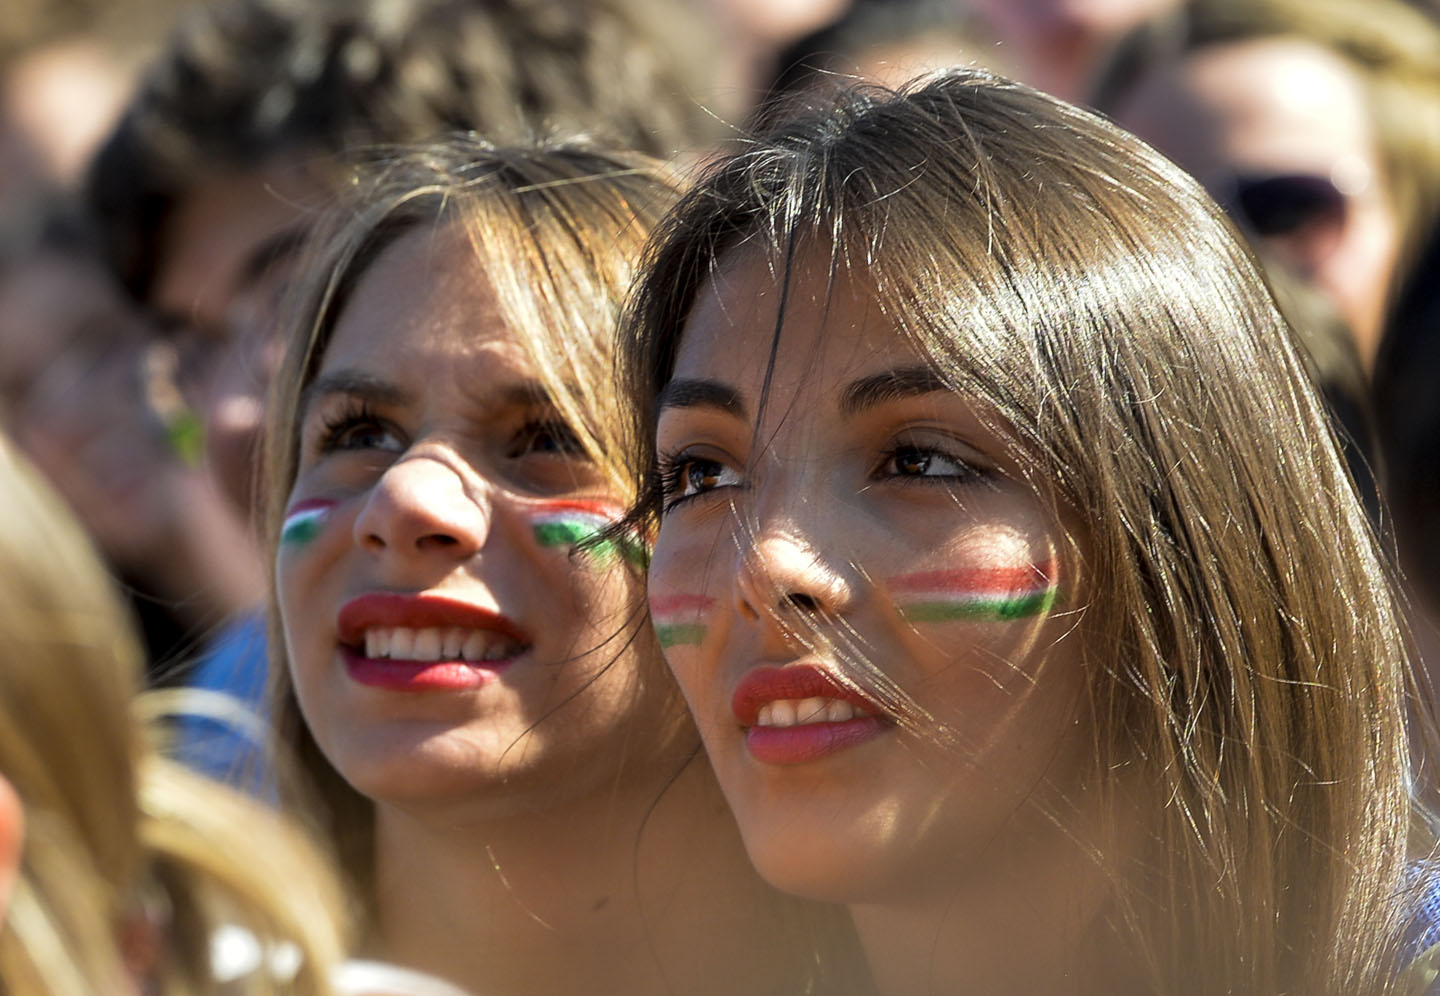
(687, 474)
(356, 426)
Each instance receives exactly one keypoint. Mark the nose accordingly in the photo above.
(424, 507)
(784, 578)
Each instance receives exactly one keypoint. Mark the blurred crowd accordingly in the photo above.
(162, 162)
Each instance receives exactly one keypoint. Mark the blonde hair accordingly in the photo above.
(1247, 672)
(566, 224)
(130, 863)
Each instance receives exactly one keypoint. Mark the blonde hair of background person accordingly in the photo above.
(1243, 793)
(130, 864)
(539, 865)
(1394, 51)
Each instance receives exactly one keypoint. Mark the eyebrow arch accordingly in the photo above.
(700, 394)
(892, 385)
(350, 382)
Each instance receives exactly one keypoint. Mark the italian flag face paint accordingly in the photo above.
(571, 523)
(987, 594)
(677, 619)
(304, 521)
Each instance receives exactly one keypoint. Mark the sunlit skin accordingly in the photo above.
(1284, 106)
(544, 817)
(438, 458)
(789, 515)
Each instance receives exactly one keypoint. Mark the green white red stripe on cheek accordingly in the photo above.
(982, 594)
(570, 523)
(677, 619)
(304, 521)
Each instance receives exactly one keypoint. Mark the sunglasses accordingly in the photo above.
(1285, 204)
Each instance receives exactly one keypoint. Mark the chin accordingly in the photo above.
(815, 865)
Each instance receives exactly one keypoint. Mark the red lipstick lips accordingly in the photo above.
(389, 611)
(803, 742)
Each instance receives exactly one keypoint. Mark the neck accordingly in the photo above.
(639, 889)
(1018, 922)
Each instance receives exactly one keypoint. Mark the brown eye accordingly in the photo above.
(686, 477)
(926, 461)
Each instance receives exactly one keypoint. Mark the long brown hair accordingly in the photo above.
(1246, 658)
(569, 223)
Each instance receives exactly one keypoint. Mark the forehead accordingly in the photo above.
(831, 327)
(425, 296)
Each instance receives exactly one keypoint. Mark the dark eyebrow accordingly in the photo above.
(525, 394)
(700, 394)
(273, 251)
(892, 385)
(360, 385)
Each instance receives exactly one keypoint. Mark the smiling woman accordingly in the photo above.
(1005, 560)
(466, 670)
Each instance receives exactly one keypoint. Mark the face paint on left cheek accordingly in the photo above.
(569, 524)
(678, 619)
(304, 521)
(983, 594)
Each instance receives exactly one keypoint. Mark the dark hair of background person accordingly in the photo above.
(830, 56)
(1393, 47)
(1407, 378)
(243, 82)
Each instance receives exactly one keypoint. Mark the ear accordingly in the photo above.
(12, 834)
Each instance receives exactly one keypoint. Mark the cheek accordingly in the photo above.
(308, 539)
(683, 588)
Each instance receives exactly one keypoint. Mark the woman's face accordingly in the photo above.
(861, 501)
(445, 640)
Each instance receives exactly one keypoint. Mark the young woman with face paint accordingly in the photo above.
(1006, 562)
(465, 665)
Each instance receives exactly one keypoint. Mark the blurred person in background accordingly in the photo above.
(66, 69)
(1316, 123)
(75, 359)
(883, 41)
(1059, 45)
(241, 131)
(1407, 373)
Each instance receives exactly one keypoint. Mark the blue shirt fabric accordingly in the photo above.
(216, 738)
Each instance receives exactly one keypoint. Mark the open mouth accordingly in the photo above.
(435, 643)
(801, 712)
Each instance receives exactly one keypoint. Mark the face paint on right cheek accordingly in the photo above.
(677, 619)
(985, 594)
(304, 521)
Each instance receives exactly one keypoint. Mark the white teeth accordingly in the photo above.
(427, 645)
(402, 644)
(810, 711)
(798, 712)
(473, 649)
(454, 640)
(436, 643)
